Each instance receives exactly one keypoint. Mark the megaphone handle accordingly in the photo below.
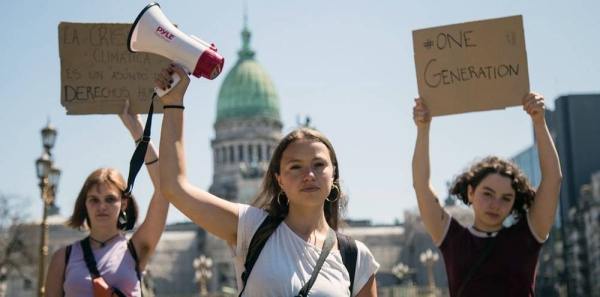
(175, 77)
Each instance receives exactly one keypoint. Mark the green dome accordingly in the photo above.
(247, 91)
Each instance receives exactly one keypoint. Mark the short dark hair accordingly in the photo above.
(524, 192)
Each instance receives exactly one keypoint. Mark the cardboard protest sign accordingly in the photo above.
(98, 73)
(472, 66)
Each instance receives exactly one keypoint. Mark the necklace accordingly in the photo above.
(489, 233)
(103, 243)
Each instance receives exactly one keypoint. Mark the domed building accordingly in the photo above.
(247, 128)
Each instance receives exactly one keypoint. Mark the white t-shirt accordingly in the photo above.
(287, 261)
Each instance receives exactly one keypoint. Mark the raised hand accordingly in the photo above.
(421, 114)
(163, 81)
(534, 105)
(132, 122)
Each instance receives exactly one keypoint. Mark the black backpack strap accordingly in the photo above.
(349, 252)
(88, 256)
(138, 272)
(67, 256)
(256, 247)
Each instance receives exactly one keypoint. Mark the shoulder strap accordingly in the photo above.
(256, 247)
(327, 245)
(88, 256)
(349, 252)
(67, 256)
(475, 267)
(133, 253)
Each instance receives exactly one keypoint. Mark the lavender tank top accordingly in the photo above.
(115, 264)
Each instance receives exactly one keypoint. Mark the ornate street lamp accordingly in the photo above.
(429, 258)
(203, 267)
(49, 176)
(400, 271)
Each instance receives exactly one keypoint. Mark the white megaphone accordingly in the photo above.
(153, 33)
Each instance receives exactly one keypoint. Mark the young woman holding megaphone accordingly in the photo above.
(292, 220)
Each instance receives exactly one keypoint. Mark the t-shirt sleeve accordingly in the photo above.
(366, 266)
(449, 223)
(249, 219)
(537, 237)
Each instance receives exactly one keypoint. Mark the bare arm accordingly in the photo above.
(369, 289)
(215, 215)
(543, 210)
(55, 277)
(148, 234)
(433, 215)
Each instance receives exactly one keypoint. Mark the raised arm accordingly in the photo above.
(148, 234)
(215, 215)
(545, 204)
(433, 215)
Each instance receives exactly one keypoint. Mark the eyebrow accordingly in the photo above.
(96, 196)
(504, 195)
(299, 161)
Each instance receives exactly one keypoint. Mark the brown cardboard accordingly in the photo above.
(472, 66)
(98, 73)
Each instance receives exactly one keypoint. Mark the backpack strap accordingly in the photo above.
(67, 256)
(349, 252)
(256, 246)
(138, 272)
(90, 261)
(88, 256)
(346, 244)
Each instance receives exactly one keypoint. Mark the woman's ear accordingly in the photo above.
(470, 193)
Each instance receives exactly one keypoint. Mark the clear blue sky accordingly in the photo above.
(348, 64)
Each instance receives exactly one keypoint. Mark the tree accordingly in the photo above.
(14, 253)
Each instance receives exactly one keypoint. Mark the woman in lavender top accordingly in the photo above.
(107, 213)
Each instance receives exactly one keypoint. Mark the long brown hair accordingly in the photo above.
(266, 199)
(524, 192)
(109, 176)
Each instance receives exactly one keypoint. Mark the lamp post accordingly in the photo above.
(48, 175)
(400, 271)
(429, 258)
(203, 267)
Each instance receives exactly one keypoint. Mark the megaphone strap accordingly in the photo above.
(137, 160)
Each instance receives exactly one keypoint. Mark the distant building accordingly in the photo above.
(576, 126)
(583, 255)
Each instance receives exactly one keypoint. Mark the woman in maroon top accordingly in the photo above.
(487, 259)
